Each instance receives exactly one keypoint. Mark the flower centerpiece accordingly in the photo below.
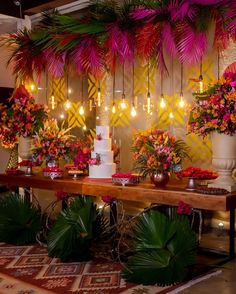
(214, 112)
(52, 143)
(21, 117)
(157, 152)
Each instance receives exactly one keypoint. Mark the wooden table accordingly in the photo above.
(144, 192)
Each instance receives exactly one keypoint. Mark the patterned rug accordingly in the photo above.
(29, 270)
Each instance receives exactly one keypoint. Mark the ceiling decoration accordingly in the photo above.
(109, 34)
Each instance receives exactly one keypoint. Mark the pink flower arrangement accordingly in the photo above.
(214, 110)
(24, 117)
(95, 161)
(124, 175)
(157, 151)
(107, 199)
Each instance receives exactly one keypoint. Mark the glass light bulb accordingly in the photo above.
(133, 111)
(171, 115)
(113, 110)
(181, 101)
(62, 116)
(148, 104)
(67, 104)
(32, 87)
(81, 110)
(123, 104)
(162, 103)
(106, 108)
(99, 98)
(84, 127)
(69, 91)
(201, 86)
(97, 117)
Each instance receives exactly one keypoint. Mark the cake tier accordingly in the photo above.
(102, 171)
(105, 156)
(103, 131)
(102, 145)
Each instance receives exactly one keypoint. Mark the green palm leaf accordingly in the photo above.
(73, 231)
(20, 221)
(164, 249)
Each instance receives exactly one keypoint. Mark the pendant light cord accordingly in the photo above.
(133, 82)
(82, 89)
(113, 89)
(181, 77)
(123, 80)
(148, 80)
(218, 63)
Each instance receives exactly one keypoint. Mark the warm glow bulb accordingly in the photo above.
(62, 116)
(162, 103)
(148, 104)
(201, 86)
(67, 104)
(123, 104)
(81, 110)
(99, 98)
(181, 101)
(171, 115)
(69, 91)
(113, 110)
(133, 111)
(106, 108)
(97, 117)
(32, 87)
(84, 127)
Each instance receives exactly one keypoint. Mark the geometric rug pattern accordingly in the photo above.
(29, 270)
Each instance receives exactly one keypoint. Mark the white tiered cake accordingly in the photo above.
(102, 151)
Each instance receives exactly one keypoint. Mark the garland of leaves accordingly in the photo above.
(109, 33)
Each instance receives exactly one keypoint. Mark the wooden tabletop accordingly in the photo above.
(144, 192)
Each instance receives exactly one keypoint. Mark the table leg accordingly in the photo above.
(231, 233)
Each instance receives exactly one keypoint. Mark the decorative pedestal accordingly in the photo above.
(224, 160)
(24, 148)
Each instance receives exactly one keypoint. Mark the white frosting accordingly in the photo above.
(102, 170)
(105, 156)
(104, 131)
(102, 145)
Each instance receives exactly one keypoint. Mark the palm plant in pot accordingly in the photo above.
(157, 153)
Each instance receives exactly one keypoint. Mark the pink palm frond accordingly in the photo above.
(168, 39)
(55, 62)
(221, 37)
(145, 14)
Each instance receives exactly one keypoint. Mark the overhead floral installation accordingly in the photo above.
(113, 33)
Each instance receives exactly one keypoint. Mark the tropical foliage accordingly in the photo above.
(214, 110)
(119, 33)
(20, 221)
(157, 151)
(164, 248)
(74, 230)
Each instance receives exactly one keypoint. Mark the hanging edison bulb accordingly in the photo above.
(171, 115)
(113, 109)
(181, 101)
(106, 108)
(123, 104)
(201, 85)
(81, 109)
(148, 106)
(67, 104)
(133, 111)
(162, 102)
(99, 97)
(62, 115)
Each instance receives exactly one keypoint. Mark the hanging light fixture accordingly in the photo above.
(99, 95)
(162, 102)
(52, 100)
(123, 104)
(201, 79)
(218, 63)
(149, 105)
(181, 100)
(67, 104)
(113, 109)
(81, 108)
(133, 111)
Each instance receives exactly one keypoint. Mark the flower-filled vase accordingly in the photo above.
(24, 147)
(160, 179)
(224, 160)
